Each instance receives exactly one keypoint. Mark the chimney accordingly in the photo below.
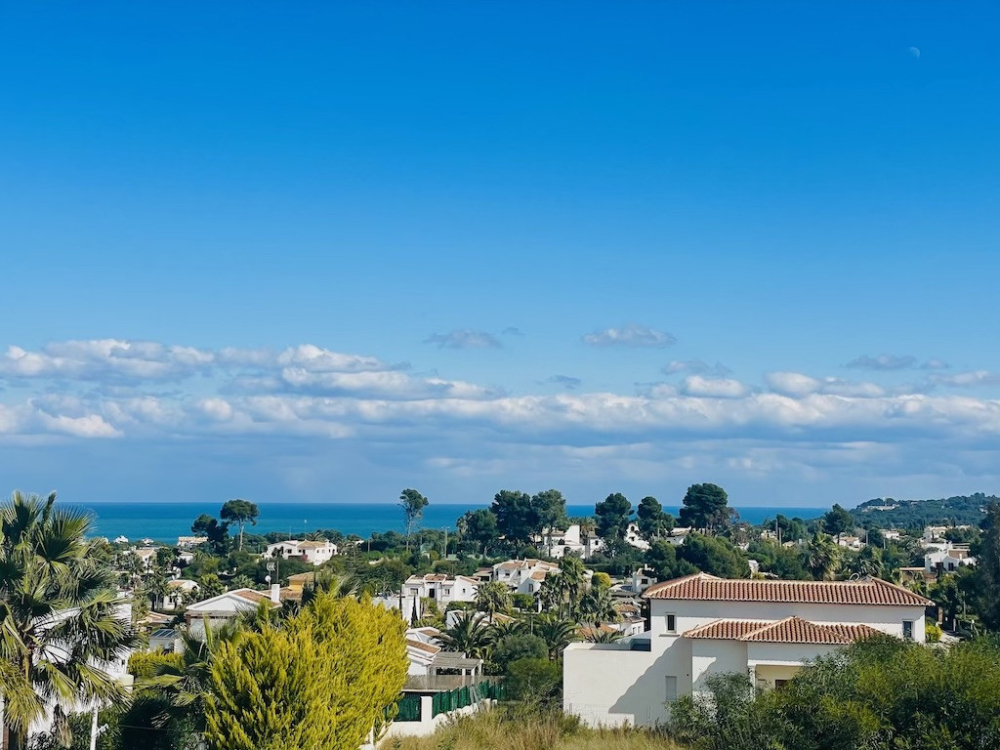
(276, 593)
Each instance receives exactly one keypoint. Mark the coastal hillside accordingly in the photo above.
(888, 513)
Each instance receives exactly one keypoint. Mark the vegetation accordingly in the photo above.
(413, 504)
(910, 514)
(528, 729)
(240, 512)
(881, 694)
(56, 588)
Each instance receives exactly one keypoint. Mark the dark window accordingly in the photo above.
(908, 629)
(778, 684)
(671, 623)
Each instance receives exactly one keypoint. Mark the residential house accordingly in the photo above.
(177, 591)
(220, 609)
(638, 582)
(850, 542)
(557, 543)
(634, 537)
(947, 558)
(441, 588)
(678, 535)
(701, 625)
(145, 556)
(315, 553)
(186, 542)
(523, 576)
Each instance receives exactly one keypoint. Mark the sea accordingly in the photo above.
(165, 521)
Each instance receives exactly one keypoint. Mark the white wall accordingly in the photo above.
(607, 685)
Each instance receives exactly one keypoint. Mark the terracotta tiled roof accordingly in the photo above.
(251, 596)
(703, 587)
(538, 575)
(789, 630)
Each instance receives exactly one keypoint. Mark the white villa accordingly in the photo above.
(557, 543)
(224, 607)
(315, 553)
(947, 558)
(174, 597)
(702, 625)
(523, 576)
(441, 588)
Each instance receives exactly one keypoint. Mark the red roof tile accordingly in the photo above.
(789, 630)
(703, 587)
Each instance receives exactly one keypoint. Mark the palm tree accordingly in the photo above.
(468, 635)
(500, 630)
(550, 593)
(493, 597)
(598, 606)
(61, 627)
(573, 579)
(823, 557)
(557, 632)
(596, 635)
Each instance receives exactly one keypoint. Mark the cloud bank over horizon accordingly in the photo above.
(327, 412)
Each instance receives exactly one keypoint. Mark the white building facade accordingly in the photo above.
(702, 626)
(441, 588)
(314, 553)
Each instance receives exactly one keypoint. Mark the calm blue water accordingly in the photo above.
(167, 521)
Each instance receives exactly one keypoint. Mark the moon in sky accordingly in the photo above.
(915, 51)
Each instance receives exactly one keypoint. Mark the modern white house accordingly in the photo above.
(523, 576)
(702, 626)
(441, 588)
(185, 542)
(945, 557)
(315, 553)
(557, 543)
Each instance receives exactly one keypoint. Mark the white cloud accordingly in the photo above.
(696, 385)
(291, 402)
(630, 335)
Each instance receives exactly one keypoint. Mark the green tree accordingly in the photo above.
(468, 634)
(518, 646)
(217, 533)
(54, 590)
(612, 516)
(652, 520)
(822, 557)
(988, 567)
(479, 526)
(715, 556)
(556, 631)
(549, 511)
(533, 680)
(493, 597)
(705, 506)
(517, 516)
(321, 680)
(413, 504)
(210, 585)
(837, 521)
(662, 559)
(240, 512)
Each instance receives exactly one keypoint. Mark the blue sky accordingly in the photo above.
(330, 251)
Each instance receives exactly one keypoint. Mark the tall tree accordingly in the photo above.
(517, 516)
(612, 515)
(479, 526)
(550, 512)
(217, 533)
(837, 521)
(705, 506)
(652, 520)
(61, 626)
(413, 504)
(240, 512)
(988, 567)
(557, 632)
(714, 555)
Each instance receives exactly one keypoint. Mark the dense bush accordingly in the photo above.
(882, 694)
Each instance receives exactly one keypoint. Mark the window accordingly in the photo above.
(671, 623)
(778, 684)
(671, 689)
(908, 630)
